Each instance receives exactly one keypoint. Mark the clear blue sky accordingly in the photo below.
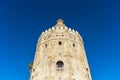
(22, 22)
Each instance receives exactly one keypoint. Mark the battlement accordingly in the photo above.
(59, 31)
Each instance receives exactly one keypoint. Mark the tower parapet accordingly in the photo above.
(60, 30)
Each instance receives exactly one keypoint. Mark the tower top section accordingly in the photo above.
(60, 24)
(60, 31)
(60, 21)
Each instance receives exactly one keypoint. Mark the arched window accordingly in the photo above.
(60, 64)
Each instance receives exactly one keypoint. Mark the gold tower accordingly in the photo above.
(60, 55)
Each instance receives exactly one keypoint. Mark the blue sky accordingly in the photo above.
(22, 22)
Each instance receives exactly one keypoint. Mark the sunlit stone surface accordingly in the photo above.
(60, 55)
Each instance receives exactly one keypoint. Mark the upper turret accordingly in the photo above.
(60, 30)
(60, 22)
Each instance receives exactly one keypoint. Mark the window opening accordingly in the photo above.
(45, 45)
(73, 44)
(60, 43)
(60, 64)
(86, 69)
(33, 70)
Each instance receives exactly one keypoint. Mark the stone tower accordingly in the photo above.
(60, 55)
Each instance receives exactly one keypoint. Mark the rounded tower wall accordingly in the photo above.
(60, 55)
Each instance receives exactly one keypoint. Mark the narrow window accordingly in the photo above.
(60, 43)
(86, 69)
(33, 70)
(46, 45)
(73, 44)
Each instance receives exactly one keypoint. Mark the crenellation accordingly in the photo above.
(66, 28)
(49, 29)
(73, 30)
(53, 28)
(42, 33)
(69, 29)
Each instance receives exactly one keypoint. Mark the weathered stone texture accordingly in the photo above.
(60, 44)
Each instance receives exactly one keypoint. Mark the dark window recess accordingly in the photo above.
(45, 45)
(60, 43)
(33, 70)
(73, 45)
(86, 69)
(60, 64)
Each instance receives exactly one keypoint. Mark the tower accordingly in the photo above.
(60, 55)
